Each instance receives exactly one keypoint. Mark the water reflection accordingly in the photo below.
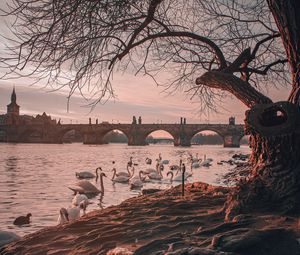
(35, 177)
(11, 163)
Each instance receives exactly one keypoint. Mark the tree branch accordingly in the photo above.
(202, 39)
(265, 70)
(268, 38)
(244, 56)
(239, 88)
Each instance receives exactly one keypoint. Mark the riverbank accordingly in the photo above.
(166, 223)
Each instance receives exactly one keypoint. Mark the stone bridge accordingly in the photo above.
(136, 133)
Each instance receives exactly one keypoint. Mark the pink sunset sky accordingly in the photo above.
(135, 95)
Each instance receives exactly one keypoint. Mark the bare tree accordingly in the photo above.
(206, 47)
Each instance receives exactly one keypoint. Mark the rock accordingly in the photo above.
(277, 241)
(119, 251)
(241, 217)
(198, 251)
(150, 191)
(7, 237)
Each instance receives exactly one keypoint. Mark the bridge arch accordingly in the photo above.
(114, 136)
(212, 137)
(70, 134)
(31, 135)
(167, 135)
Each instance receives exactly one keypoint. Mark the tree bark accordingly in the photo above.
(234, 85)
(274, 182)
(287, 18)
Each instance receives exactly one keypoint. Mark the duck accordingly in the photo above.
(137, 182)
(22, 220)
(86, 187)
(87, 175)
(121, 179)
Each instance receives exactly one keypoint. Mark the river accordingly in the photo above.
(35, 177)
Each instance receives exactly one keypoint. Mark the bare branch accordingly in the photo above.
(241, 89)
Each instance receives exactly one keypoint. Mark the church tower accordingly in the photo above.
(13, 109)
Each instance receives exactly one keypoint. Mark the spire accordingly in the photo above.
(13, 96)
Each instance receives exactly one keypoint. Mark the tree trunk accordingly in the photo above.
(287, 18)
(274, 128)
(274, 182)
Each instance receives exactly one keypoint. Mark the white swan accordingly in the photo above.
(87, 175)
(69, 214)
(177, 177)
(196, 164)
(160, 166)
(128, 174)
(150, 170)
(122, 179)
(85, 187)
(170, 173)
(137, 182)
(148, 161)
(81, 198)
(206, 162)
(155, 175)
(174, 167)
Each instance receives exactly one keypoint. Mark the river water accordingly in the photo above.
(35, 177)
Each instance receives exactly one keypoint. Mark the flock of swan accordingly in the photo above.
(84, 189)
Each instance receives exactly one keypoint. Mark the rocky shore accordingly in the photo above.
(166, 223)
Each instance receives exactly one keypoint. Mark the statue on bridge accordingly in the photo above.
(232, 121)
(133, 120)
(140, 120)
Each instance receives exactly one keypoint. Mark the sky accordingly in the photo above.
(135, 95)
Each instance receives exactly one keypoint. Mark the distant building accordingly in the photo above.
(13, 117)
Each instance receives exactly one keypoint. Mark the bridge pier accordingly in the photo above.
(183, 139)
(232, 141)
(92, 138)
(137, 140)
(136, 136)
